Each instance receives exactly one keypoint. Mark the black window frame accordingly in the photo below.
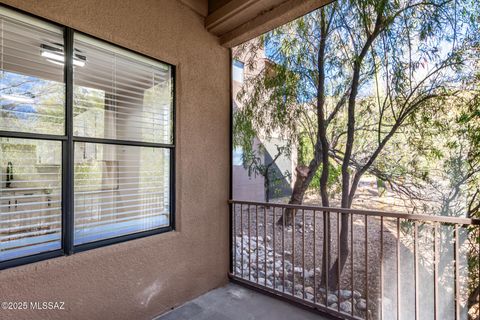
(68, 141)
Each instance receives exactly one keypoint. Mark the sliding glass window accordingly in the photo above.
(32, 106)
(86, 141)
(123, 104)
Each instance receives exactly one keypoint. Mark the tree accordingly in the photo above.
(352, 76)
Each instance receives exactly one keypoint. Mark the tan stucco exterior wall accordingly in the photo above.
(143, 278)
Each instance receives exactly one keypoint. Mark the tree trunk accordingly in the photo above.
(325, 147)
(347, 193)
(304, 177)
(473, 299)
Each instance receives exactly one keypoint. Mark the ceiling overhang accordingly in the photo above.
(237, 21)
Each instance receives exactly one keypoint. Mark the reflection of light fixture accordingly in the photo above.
(55, 62)
(55, 55)
(17, 98)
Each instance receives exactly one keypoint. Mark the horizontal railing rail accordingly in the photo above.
(359, 264)
(418, 217)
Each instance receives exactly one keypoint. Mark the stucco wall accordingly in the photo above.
(143, 278)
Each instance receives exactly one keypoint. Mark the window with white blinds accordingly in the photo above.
(32, 101)
(121, 190)
(86, 141)
(32, 90)
(120, 95)
(30, 199)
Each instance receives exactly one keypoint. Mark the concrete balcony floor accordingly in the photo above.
(234, 302)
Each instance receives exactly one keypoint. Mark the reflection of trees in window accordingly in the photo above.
(31, 104)
(88, 111)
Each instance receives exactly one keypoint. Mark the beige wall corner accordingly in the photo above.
(199, 6)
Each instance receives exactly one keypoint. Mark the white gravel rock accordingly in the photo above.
(362, 304)
(346, 306)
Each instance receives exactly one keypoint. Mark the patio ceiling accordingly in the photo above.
(237, 21)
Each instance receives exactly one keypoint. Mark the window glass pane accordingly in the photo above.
(121, 95)
(119, 190)
(237, 71)
(30, 197)
(237, 159)
(32, 90)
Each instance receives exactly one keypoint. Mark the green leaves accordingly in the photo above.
(418, 91)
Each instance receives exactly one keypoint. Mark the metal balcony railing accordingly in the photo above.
(392, 265)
